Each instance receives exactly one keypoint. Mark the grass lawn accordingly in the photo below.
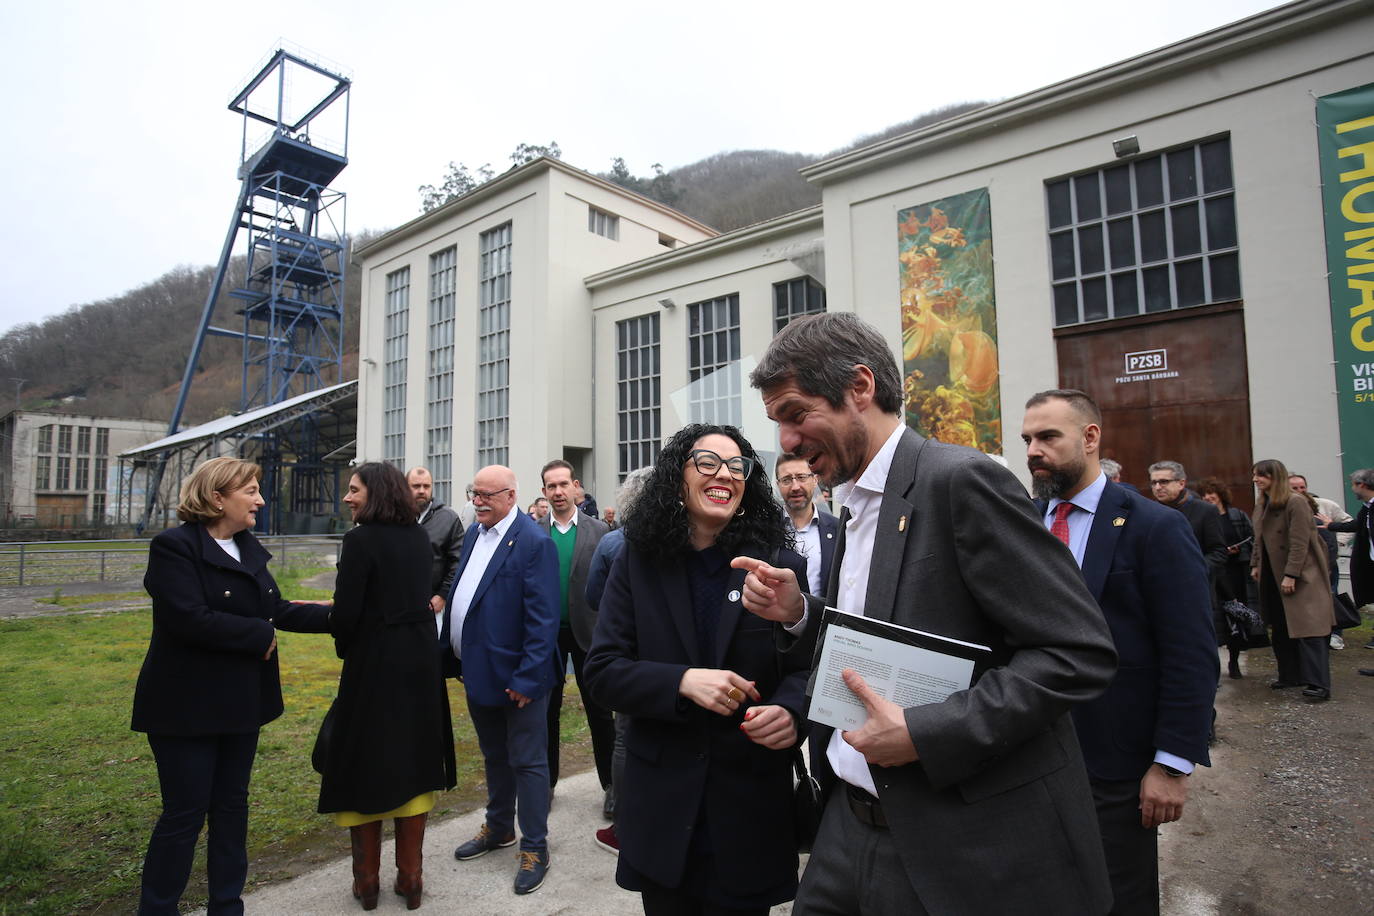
(78, 789)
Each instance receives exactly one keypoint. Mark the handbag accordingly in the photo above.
(320, 754)
(1245, 624)
(807, 805)
(1347, 615)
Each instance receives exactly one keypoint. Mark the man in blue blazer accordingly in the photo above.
(499, 632)
(1142, 738)
(816, 531)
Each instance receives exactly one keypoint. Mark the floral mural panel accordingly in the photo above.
(949, 321)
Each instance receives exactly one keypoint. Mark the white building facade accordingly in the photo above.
(1152, 232)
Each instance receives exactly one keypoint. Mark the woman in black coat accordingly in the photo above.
(704, 815)
(387, 746)
(209, 680)
(1234, 583)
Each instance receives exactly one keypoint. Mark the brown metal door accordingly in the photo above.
(1171, 386)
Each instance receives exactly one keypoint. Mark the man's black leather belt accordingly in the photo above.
(865, 807)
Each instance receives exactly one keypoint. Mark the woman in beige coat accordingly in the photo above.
(1289, 563)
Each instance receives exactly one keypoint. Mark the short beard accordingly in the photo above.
(1059, 481)
(849, 454)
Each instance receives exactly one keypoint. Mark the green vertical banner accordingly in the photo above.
(1345, 143)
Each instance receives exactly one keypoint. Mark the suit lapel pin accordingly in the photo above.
(1118, 522)
(829, 535)
(510, 543)
(734, 595)
(901, 523)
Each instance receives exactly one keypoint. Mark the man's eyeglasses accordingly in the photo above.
(1164, 483)
(708, 462)
(488, 497)
(795, 478)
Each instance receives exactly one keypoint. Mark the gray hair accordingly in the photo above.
(1111, 468)
(1364, 477)
(819, 354)
(629, 491)
(1173, 467)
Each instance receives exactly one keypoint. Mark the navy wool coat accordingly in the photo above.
(213, 620)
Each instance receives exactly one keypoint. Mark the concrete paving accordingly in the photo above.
(581, 878)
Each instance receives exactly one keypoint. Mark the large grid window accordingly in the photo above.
(795, 298)
(637, 392)
(395, 338)
(64, 439)
(713, 360)
(64, 473)
(1150, 235)
(42, 472)
(493, 348)
(98, 508)
(102, 473)
(603, 223)
(443, 277)
(102, 440)
(45, 438)
(83, 474)
(83, 440)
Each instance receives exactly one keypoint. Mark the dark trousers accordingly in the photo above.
(1306, 660)
(1132, 850)
(200, 777)
(513, 751)
(854, 868)
(659, 901)
(599, 721)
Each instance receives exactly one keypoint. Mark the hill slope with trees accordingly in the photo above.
(125, 355)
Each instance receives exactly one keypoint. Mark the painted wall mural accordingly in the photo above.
(949, 321)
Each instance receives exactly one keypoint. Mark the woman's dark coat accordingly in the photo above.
(681, 760)
(391, 738)
(213, 620)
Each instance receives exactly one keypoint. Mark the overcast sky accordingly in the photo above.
(120, 155)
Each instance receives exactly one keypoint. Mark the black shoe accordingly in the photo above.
(1280, 685)
(533, 867)
(1367, 672)
(1316, 694)
(1370, 644)
(480, 845)
(608, 804)
(1234, 669)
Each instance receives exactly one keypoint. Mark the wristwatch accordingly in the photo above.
(1170, 771)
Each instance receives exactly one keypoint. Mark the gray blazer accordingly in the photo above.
(997, 815)
(581, 615)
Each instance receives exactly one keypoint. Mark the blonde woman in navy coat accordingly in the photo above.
(210, 681)
(704, 815)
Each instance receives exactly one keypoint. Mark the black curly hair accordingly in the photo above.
(659, 526)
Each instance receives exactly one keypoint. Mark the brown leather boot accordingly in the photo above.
(410, 839)
(367, 861)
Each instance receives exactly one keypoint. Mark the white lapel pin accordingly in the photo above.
(734, 595)
(901, 523)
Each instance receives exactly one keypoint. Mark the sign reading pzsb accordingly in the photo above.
(1147, 366)
(1147, 361)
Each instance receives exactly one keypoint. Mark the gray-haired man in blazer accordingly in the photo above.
(980, 803)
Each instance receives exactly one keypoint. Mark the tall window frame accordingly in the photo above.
(713, 353)
(638, 395)
(83, 440)
(493, 345)
(606, 225)
(64, 439)
(395, 364)
(45, 438)
(794, 298)
(1155, 234)
(42, 477)
(439, 344)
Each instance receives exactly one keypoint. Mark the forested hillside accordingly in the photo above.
(124, 356)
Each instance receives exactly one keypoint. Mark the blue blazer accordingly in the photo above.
(511, 628)
(1144, 567)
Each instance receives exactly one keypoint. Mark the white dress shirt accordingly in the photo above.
(488, 539)
(564, 527)
(809, 546)
(864, 499)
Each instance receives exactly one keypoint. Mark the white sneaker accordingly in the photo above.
(1337, 642)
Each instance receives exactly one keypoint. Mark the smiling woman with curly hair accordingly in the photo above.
(704, 815)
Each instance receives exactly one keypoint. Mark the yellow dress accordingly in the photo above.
(420, 804)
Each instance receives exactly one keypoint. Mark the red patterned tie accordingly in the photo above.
(1060, 528)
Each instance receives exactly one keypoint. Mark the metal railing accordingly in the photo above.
(72, 562)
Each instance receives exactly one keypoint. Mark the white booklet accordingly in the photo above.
(909, 667)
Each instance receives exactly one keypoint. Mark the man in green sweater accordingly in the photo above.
(575, 534)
